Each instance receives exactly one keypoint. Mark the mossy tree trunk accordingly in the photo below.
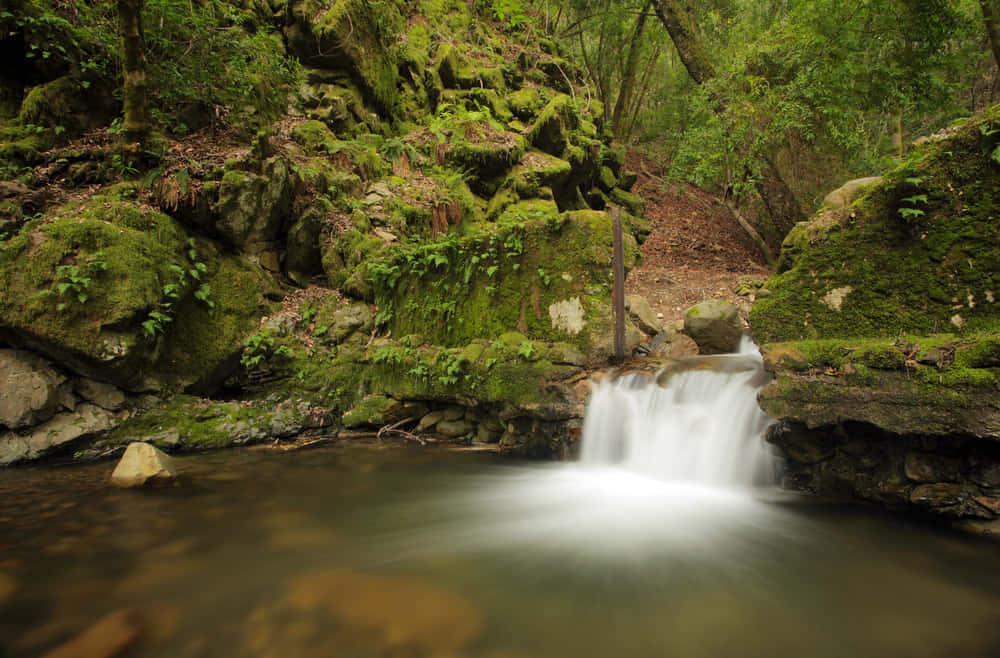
(137, 121)
(991, 15)
(678, 18)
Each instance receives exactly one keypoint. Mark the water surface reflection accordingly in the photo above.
(362, 551)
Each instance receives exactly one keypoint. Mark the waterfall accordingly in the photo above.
(697, 423)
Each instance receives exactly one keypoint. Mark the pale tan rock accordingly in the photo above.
(142, 464)
(642, 315)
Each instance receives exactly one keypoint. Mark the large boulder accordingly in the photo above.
(31, 391)
(715, 325)
(545, 273)
(883, 333)
(253, 209)
(354, 36)
(56, 434)
(122, 294)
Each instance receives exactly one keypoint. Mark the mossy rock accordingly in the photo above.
(543, 272)
(526, 103)
(354, 35)
(252, 209)
(552, 130)
(917, 253)
(120, 263)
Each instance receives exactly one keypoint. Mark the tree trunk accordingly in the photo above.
(678, 17)
(627, 88)
(991, 16)
(136, 122)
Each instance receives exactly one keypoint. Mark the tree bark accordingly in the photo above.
(678, 18)
(991, 16)
(136, 121)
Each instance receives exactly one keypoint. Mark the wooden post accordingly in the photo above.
(618, 298)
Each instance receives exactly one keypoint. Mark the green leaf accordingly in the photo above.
(919, 198)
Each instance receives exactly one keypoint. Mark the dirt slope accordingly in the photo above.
(696, 250)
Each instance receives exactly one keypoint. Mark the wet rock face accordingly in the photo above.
(946, 476)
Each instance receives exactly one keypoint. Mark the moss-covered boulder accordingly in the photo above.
(917, 253)
(355, 36)
(883, 329)
(121, 293)
(542, 272)
(253, 209)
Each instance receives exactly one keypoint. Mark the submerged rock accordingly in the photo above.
(111, 635)
(143, 464)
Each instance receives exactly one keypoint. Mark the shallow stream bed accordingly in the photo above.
(374, 550)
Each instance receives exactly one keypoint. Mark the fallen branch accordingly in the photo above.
(394, 429)
(754, 235)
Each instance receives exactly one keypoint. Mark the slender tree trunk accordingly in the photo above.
(627, 88)
(678, 17)
(991, 16)
(137, 122)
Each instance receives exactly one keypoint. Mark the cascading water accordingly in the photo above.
(665, 464)
(702, 424)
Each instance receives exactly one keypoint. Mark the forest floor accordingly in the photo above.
(696, 250)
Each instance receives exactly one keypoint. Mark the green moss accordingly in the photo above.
(551, 130)
(142, 253)
(356, 35)
(314, 136)
(921, 276)
(526, 103)
(479, 285)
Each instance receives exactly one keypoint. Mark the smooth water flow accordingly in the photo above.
(701, 425)
(653, 544)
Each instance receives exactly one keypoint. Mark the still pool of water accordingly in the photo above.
(356, 550)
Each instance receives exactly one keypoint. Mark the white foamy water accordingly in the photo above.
(664, 467)
(702, 426)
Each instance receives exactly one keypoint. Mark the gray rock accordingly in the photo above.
(454, 428)
(350, 319)
(143, 464)
(430, 420)
(453, 413)
(253, 209)
(642, 315)
(106, 396)
(302, 252)
(715, 325)
(58, 431)
(31, 391)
